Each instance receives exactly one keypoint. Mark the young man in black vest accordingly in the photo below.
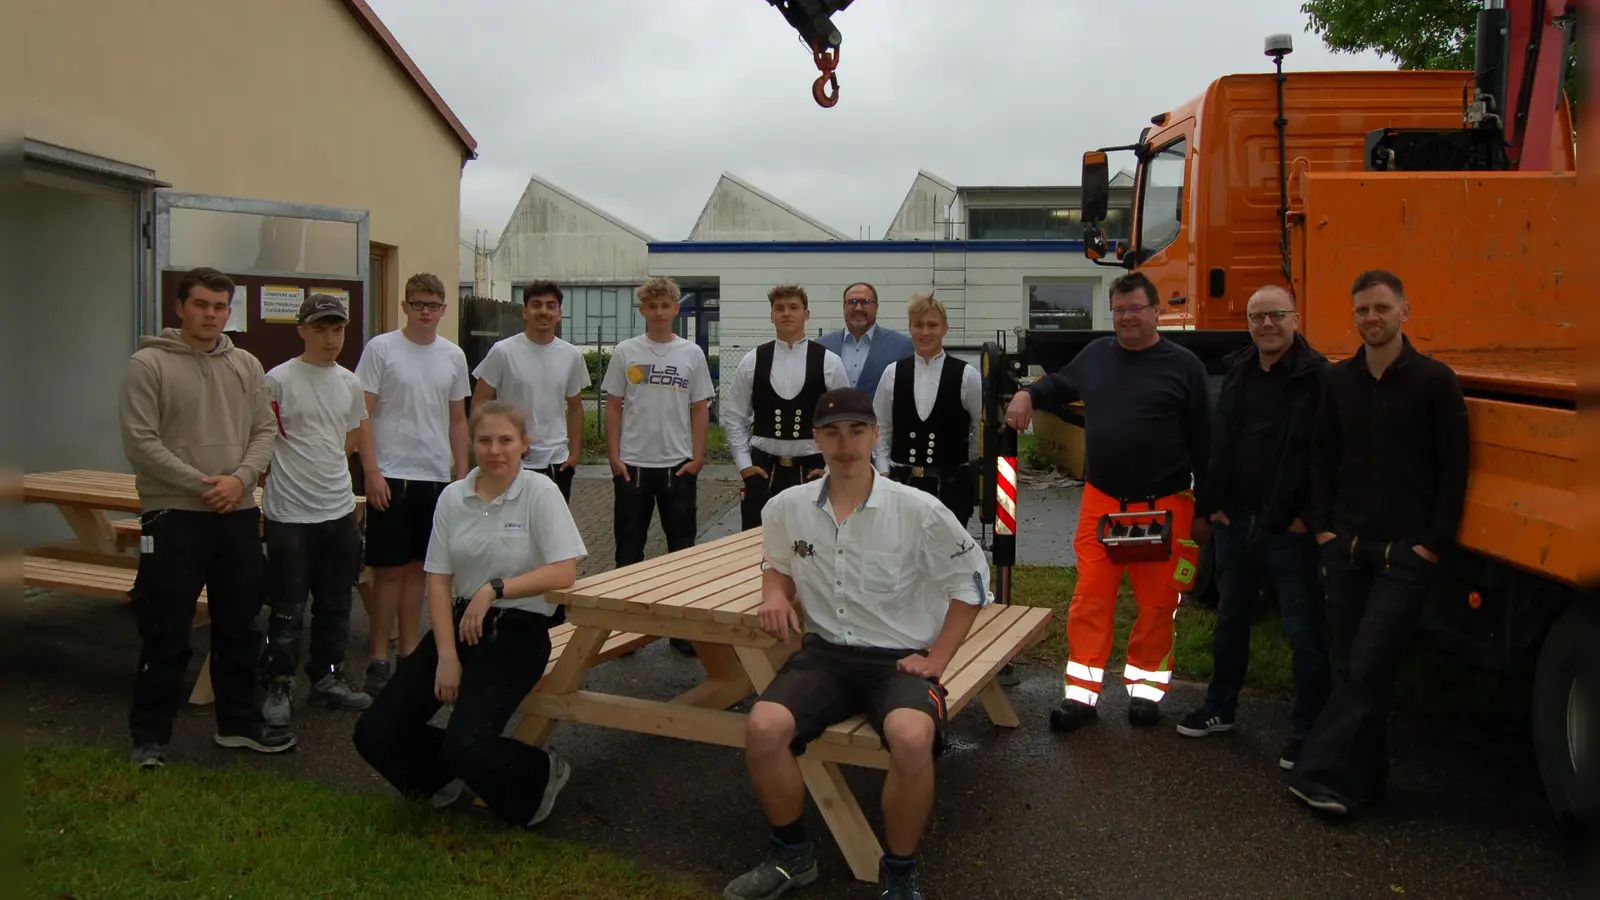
(768, 409)
(928, 409)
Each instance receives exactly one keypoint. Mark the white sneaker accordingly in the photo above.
(560, 771)
(449, 794)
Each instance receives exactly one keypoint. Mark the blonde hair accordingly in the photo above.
(922, 304)
(788, 290)
(501, 409)
(659, 287)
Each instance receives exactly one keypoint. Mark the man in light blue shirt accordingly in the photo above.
(865, 348)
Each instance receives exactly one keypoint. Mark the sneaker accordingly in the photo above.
(148, 756)
(787, 866)
(898, 886)
(1290, 754)
(449, 794)
(1321, 801)
(1202, 722)
(1071, 714)
(560, 771)
(379, 671)
(1142, 711)
(335, 691)
(277, 707)
(260, 737)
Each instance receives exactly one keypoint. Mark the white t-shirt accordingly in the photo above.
(537, 379)
(523, 529)
(415, 385)
(657, 383)
(316, 407)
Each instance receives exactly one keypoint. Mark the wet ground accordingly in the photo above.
(1110, 812)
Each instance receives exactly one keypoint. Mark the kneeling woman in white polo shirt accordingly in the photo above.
(502, 537)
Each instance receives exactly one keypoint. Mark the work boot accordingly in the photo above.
(258, 736)
(379, 671)
(898, 885)
(1072, 714)
(787, 866)
(278, 707)
(148, 756)
(335, 691)
(1142, 711)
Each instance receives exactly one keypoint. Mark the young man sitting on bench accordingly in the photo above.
(889, 584)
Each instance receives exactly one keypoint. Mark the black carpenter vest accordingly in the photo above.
(776, 417)
(940, 439)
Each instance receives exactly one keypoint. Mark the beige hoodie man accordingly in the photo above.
(188, 415)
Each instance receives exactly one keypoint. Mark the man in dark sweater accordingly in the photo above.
(1388, 481)
(1147, 433)
(1258, 499)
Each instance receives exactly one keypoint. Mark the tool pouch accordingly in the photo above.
(1185, 566)
(1136, 536)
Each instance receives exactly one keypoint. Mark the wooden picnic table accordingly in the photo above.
(710, 594)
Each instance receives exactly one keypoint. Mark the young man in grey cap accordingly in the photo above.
(313, 542)
(889, 584)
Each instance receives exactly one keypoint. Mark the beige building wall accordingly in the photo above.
(283, 100)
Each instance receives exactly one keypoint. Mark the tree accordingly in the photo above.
(1416, 34)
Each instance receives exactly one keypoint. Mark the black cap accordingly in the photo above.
(846, 404)
(322, 306)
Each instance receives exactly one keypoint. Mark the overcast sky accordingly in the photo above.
(637, 106)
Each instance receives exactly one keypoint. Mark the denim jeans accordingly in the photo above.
(322, 560)
(394, 736)
(1245, 555)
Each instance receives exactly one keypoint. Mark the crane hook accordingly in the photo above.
(827, 61)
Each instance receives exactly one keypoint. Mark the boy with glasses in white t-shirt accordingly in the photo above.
(413, 444)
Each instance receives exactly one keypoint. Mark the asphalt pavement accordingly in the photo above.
(1109, 812)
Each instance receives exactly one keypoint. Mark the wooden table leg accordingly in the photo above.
(567, 676)
(726, 681)
(203, 694)
(998, 705)
(825, 781)
(92, 528)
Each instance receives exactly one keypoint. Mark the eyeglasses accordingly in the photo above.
(424, 306)
(1130, 310)
(1277, 315)
(860, 302)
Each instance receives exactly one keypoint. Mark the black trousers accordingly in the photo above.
(1377, 591)
(183, 551)
(955, 486)
(635, 501)
(322, 559)
(394, 736)
(780, 477)
(561, 476)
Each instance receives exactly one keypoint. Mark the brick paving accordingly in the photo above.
(591, 506)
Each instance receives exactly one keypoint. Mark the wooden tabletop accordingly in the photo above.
(718, 581)
(91, 488)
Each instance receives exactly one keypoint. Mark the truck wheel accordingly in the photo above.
(1566, 688)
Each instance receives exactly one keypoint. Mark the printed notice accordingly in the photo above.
(341, 293)
(280, 303)
(238, 310)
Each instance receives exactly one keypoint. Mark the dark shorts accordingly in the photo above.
(824, 684)
(398, 536)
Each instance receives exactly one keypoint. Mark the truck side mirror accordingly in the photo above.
(1096, 188)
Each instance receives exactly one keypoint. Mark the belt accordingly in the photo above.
(931, 471)
(813, 460)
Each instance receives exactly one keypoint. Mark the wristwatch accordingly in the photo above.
(499, 588)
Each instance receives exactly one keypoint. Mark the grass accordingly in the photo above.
(595, 451)
(92, 826)
(1431, 687)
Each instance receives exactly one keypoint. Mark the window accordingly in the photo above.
(1061, 307)
(1039, 224)
(1161, 205)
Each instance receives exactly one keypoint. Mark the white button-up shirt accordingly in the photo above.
(523, 529)
(885, 578)
(925, 384)
(788, 378)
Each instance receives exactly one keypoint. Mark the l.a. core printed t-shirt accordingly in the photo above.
(657, 382)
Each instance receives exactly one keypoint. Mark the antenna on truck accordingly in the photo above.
(1279, 46)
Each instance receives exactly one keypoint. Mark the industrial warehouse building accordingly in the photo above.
(158, 138)
(1001, 257)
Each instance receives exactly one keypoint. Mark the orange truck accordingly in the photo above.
(1464, 184)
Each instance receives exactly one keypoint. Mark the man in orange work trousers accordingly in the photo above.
(1146, 441)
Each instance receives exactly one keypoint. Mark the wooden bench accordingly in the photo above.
(709, 595)
(617, 645)
(115, 581)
